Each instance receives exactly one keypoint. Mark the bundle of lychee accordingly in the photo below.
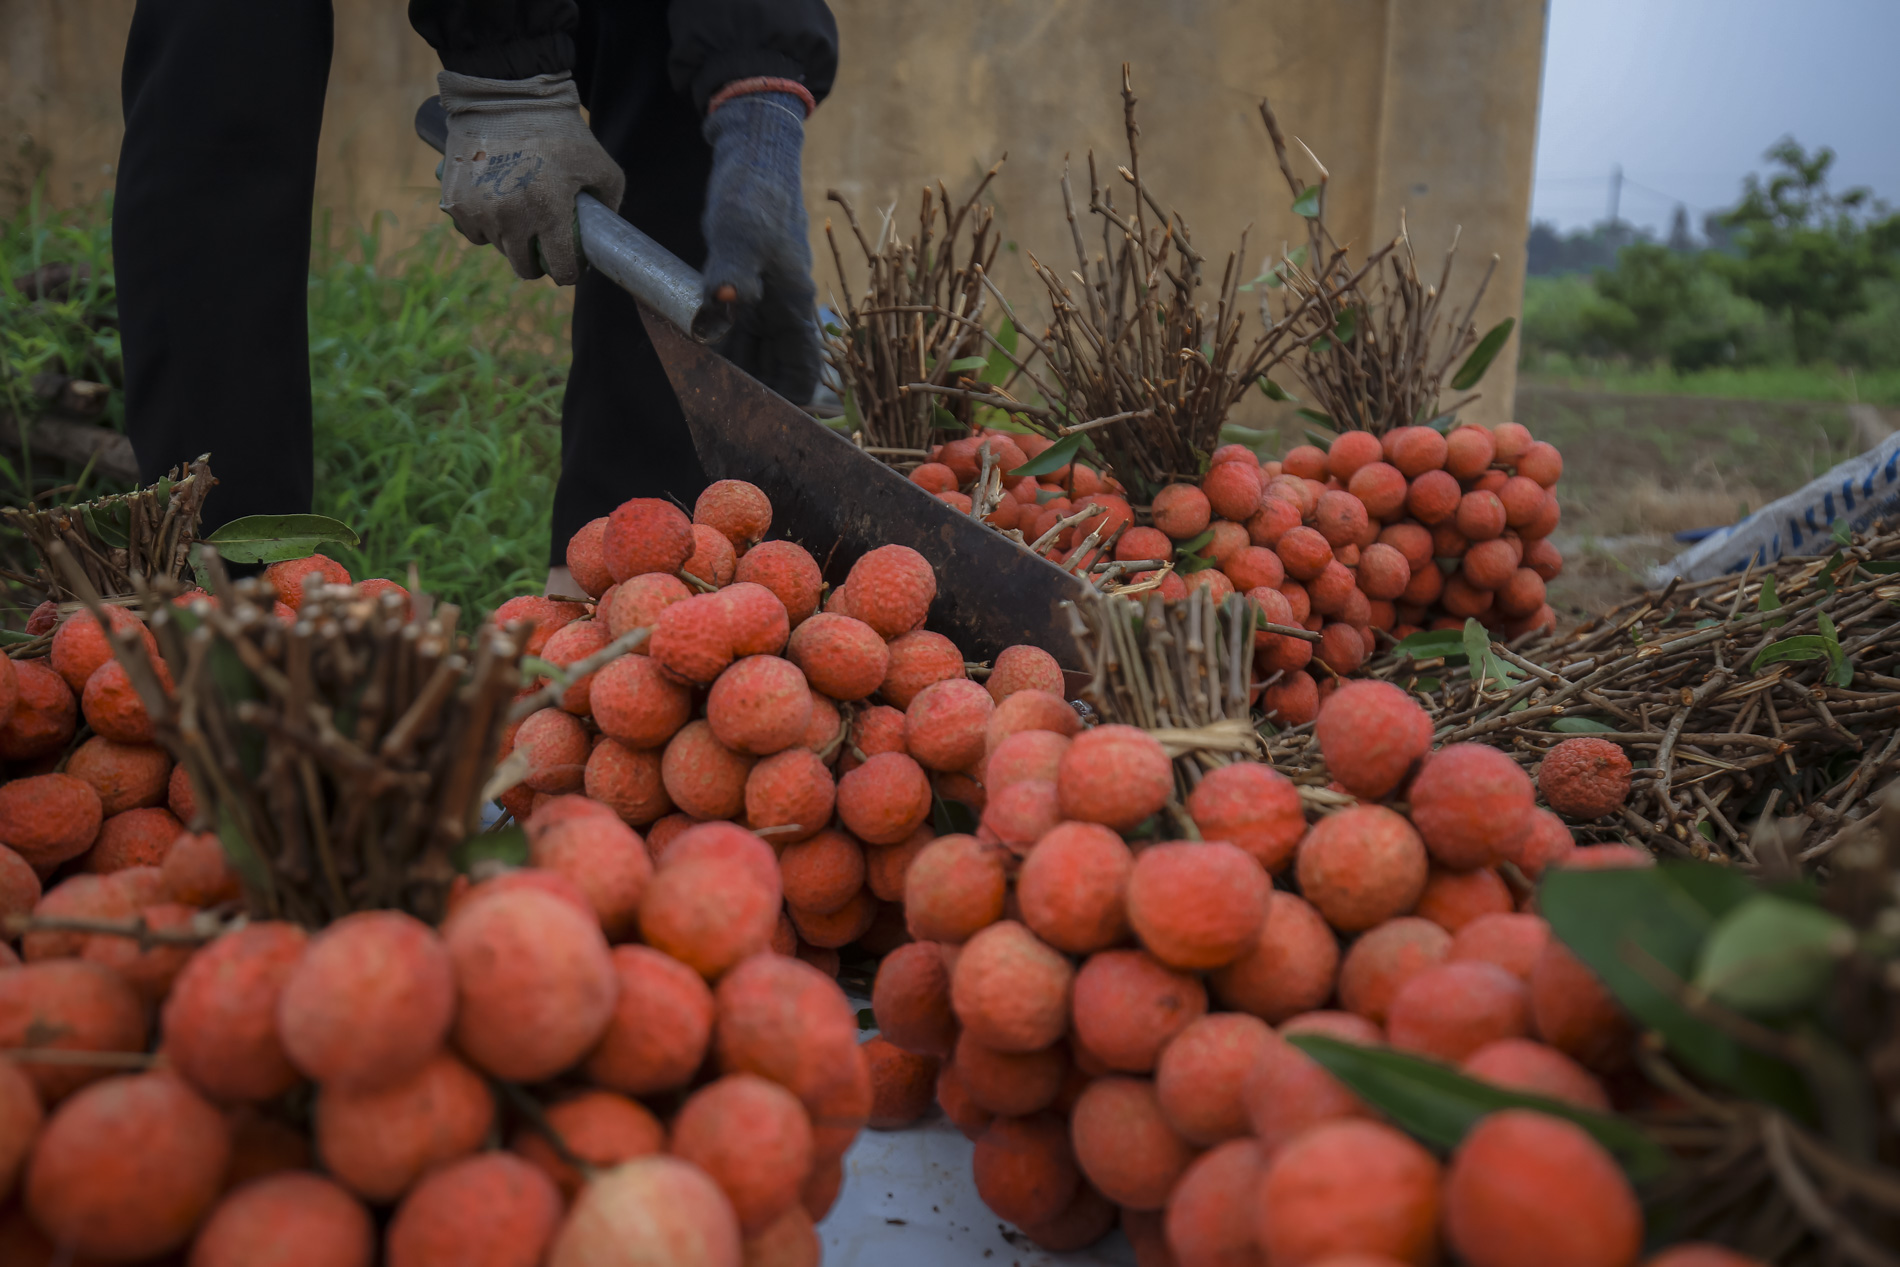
(1363, 543)
(114, 799)
(513, 1088)
(1113, 1015)
(1030, 506)
(830, 734)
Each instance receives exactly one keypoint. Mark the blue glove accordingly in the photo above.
(757, 256)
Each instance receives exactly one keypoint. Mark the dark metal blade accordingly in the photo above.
(839, 502)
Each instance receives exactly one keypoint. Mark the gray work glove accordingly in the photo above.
(518, 151)
(757, 256)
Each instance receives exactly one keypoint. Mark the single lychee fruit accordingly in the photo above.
(585, 561)
(891, 589)
(1197, 906)
(1471, 804)
(841, 657)
(288, 578)
(1585, 777)
(646, 534)
(1115, 775)
(1371, 734)
(918, 659)
(739, 511)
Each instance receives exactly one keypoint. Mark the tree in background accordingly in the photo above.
(1808, 254)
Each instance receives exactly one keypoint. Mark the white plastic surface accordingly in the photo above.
(908, 1199)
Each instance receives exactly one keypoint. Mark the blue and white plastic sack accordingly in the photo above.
(1859, 490)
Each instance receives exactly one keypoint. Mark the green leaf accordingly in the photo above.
(840, 424)
(1443, 423)
(1319, 440)
(278, 538)
(1485, 664)
(1189, 564)
(1195, 544)
(1770, 602)
(1481, 356)
(1006, 335)
(833, 329)
(244, 859)
(942, 419)
(1347, 325)
(1234, 433)
(964, 364)
(867, 1018)
(1307, 204)
(1581, 726)
(1636, 929)
(1771, 956)
(509, 846)
(1046, 495)
(1431, 643)
(1799, 647)
(854, 421)
(17, 635)
(1881, 567)
(1839, 672)
(1053, 458)
(1314, 415)
(1439, 1105)
(1428, 684)
(1273, 391)
(1842, 533)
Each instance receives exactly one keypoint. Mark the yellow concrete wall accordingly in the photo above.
(1425, 105)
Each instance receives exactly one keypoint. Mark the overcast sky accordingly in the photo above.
(1686, 94)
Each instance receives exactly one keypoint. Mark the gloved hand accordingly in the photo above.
(757, 257)
(517, 153)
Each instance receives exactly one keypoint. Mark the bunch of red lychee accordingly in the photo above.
(1112, 1013)
(1363, 543)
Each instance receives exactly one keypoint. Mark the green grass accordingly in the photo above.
(1762, 382)
(436, 379)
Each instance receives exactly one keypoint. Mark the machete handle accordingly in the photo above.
(633, 261)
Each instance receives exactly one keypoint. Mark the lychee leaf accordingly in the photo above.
(1438, 1105)
(1640, 931)
(1193, 545)
(1307, 204)
(1053, 458)
(1481, 356)
(278, 538)
(1581, 726)
(1771, 956)
(509, 846)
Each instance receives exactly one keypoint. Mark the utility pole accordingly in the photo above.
(1616, 191)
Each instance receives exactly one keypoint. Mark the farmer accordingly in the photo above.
(696, 114)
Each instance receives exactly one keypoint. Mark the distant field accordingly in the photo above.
(1639, 468)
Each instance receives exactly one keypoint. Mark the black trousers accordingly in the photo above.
(211, 242)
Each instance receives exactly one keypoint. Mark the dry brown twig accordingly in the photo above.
(920, 310)
(341, 758)
(1392, 341)
(1139, 339)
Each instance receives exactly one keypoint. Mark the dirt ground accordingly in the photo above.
(1639, 469)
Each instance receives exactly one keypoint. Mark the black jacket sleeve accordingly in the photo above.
(499, 39)
(712, 42)
(718, 41)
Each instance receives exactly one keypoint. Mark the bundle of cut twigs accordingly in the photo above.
(1774, 693)
(342, 758)
(901, 346)
(1390, 339)
(1139, 360)
(114, 540)
(1178, 670)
